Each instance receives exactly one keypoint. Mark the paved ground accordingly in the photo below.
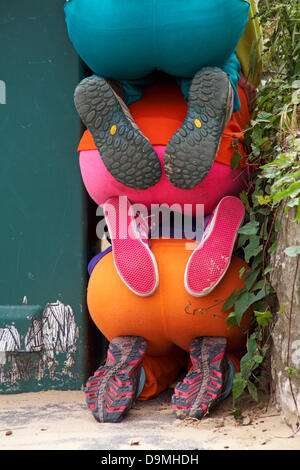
(57, 420)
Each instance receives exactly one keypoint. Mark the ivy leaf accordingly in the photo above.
(230, 300)
(298, 212)
(253, 248)
(291, 370)
(242, 240)
(263, 318)
(291, 191)
(241, 272)
(269, 269)
(282, 309)
(247, 363)
(296, 97)
(237, 414)
(235, 160)
(257, 262)
(259, 285)
(250, 278)
(296, 83)
(252, 390)
(242, 305)
(251, 228)
(258, 359)
(256, 140)
(293, 203)
(252, 343)
(273, 247)
(292, 250)
(239, 385)
(264, 199)
(263, 292)
(231, 320)
(277, 225)
(262, 116)
(245, 200)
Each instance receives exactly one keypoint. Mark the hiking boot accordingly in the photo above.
(207, 383)
(133, 258)
(113, 389)
(125, 151)
(209, 262)
(191, 151)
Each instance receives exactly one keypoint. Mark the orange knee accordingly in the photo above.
(161, 372)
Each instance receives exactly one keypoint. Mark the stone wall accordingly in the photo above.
(286, 334)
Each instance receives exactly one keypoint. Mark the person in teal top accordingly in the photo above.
(129, 41)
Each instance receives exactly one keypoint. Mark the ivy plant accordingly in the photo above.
(273, 140)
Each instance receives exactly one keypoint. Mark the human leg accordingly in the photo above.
(231, 67)
(161, 372)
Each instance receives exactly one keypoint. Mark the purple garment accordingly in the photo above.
(97, 258)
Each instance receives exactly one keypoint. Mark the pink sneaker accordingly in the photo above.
(133, 258)
(209, 262)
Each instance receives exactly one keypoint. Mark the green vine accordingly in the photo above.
(273, 140)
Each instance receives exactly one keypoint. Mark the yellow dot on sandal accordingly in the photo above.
(197, 123)
(113, 129)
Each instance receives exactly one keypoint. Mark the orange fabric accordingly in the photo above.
(170, 316)
(161, 112)
(86, 142)
(158, 114)
(161, 372)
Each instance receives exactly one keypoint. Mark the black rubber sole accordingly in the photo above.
(126, 153)
(111, 391)
(203, 387)
(191, 151)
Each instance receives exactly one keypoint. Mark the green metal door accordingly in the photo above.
(44, 325)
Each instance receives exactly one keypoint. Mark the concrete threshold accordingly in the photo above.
(60, 420)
